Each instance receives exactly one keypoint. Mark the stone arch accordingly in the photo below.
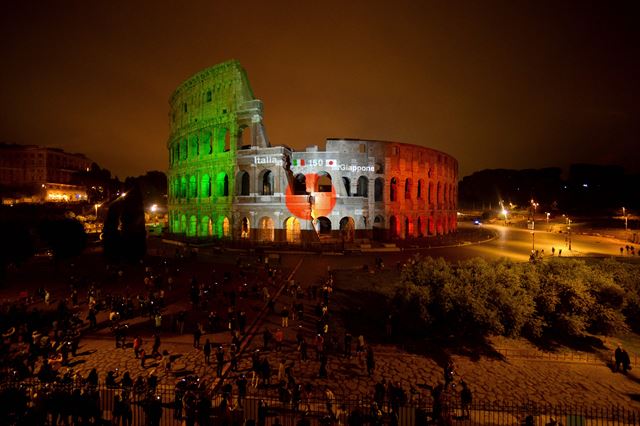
(408, 227)
(223, 140)
(183, 149)
(431, 226)
(176, 154)
(267, 180)
(324, 183)
(363, 187)
(243, 183)
(204, 226)
(393, 190)
(379, 189)
(224, 227)
(183, 224)
(393, 227)
(205, 186)
(347, 228)
(175, 223)
(194, 147)
(222, 181)
(244, 137)
(245, 228)
(439, 195)
(420, 189)
(430, 193)
(300, 184)
(323, 225)
(346, 182)
(206, 148)
(267, 231)
(445, 193)
(192, 231)
(292, 230)
(227, 140)
(407, 188)
(183, 187)
(452, 192)
(193, 187)
(378, 228)
(419, 227)
(175, 188)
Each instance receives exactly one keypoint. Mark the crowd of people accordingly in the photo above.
(304, 334)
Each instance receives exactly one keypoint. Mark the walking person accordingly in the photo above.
(155, 350)
(279, 339)
(284, 314)
(466, 398)
(137, 345)
(371, 363)
(219, 360)
(206, 350)
(143, 357)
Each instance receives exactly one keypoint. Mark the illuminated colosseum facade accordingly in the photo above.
(226, 180)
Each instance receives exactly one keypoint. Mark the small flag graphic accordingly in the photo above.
(298, 162)
(331, 163)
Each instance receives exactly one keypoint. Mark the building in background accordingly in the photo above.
(225, 180)
(30, 173)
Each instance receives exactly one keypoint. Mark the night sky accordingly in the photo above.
(497, 85)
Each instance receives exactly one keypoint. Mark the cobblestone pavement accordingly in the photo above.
(513, 380)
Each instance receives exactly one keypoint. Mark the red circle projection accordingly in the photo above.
(300, 206)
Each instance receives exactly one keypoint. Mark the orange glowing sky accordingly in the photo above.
(495, 84)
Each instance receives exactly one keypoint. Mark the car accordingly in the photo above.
(477, 222)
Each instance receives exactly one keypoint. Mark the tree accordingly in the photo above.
(65, 237)
(124, 234)
(16, 246)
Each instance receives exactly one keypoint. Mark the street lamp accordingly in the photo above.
(97, 206)
(624, 213)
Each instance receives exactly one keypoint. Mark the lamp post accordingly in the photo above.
(624, 214)
(532, 227)
(97, 206)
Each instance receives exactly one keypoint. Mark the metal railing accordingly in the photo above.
(77, 403)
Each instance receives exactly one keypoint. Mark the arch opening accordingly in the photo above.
(292, 230)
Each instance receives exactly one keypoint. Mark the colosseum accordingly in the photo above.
(227, 181)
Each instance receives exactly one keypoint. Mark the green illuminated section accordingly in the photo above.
(212, 115)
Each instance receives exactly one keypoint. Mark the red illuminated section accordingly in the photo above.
(313, 205)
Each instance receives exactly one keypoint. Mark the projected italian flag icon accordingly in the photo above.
(298, 162)
(331, 163)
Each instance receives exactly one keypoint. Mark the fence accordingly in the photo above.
(95, 404)
(597, 358)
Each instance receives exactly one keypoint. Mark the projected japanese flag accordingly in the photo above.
(331, 163)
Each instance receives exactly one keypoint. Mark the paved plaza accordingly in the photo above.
(513, 379)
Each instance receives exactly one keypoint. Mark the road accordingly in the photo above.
(510, 242)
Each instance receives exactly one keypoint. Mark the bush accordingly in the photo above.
(478, 298)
